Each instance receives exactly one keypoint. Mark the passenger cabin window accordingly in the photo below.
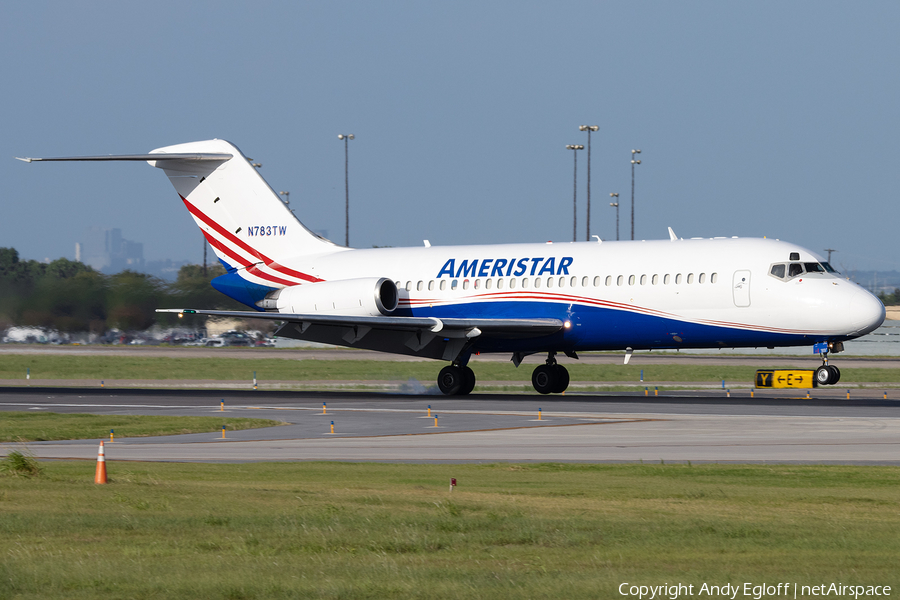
(454, 284)
(584, 281)
(608, 280)
(655, 279)
(666, 279)
(714, 278)
(690, 278)
(443, 285)
(512, 284)
(487, 284)
(702, 278)
(678, 279)
(499, 284)
(419, 286)
(643, 280)
(620, 280)
(465, 284)
(431, 285)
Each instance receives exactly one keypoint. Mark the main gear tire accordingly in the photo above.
(450, 380)
(468, 382)
(544, 379)
(562, 379)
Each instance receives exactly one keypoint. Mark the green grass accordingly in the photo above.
(328, 530)
(97, 368)
(20, 464)
(45, 426)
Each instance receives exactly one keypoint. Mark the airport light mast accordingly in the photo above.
(589, 129)
(575, 148)
(633, 162)
(346, 138)
(616, 206)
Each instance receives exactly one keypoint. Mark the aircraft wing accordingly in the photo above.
(449, 326)
(419, 336)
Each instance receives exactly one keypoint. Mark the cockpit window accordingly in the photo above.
(814, 268)
(778, 271)
(795, 269)
(829, 268)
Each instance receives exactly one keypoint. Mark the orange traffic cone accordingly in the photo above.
(100, 475)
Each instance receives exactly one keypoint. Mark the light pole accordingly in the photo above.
(589, 129)
(575, 148)
(829, 251)
(633, 162)
(616, 205)
(346, 138)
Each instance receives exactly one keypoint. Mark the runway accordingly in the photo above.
(680, 427)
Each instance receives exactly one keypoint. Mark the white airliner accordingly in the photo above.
(452, 301)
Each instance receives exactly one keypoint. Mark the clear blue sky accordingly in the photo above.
(754, 118)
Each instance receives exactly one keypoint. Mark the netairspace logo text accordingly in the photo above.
(757, 591)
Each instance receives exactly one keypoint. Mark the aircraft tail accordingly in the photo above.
(253, 233)
(251, 230)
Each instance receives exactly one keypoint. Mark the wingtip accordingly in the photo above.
(28, 160)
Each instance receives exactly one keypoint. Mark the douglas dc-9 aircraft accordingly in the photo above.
(450, 302)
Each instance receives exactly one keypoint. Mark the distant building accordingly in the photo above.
(108, 252)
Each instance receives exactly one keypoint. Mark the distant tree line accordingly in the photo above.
(891, 299)
(69, 296)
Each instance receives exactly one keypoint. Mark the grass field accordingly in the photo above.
(328, 530)
(97, 368)
(20, 426)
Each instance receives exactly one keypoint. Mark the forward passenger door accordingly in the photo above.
(741, 288)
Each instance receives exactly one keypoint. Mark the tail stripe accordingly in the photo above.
(254, 270)
(226, 250)
(249, 249)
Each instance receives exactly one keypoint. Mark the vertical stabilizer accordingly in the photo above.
(251, 230)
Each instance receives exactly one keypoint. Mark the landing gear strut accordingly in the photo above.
(550, 378)
(827, 374)
(454, 380)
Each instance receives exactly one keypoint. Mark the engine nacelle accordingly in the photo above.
(370, 296)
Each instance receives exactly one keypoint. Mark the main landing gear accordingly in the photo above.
(455, 380)
(550, 378)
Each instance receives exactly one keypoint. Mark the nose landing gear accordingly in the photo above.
(827, 374)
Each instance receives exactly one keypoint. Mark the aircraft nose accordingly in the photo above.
(866, 312)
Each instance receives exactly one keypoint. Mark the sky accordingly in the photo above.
(754, 119)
